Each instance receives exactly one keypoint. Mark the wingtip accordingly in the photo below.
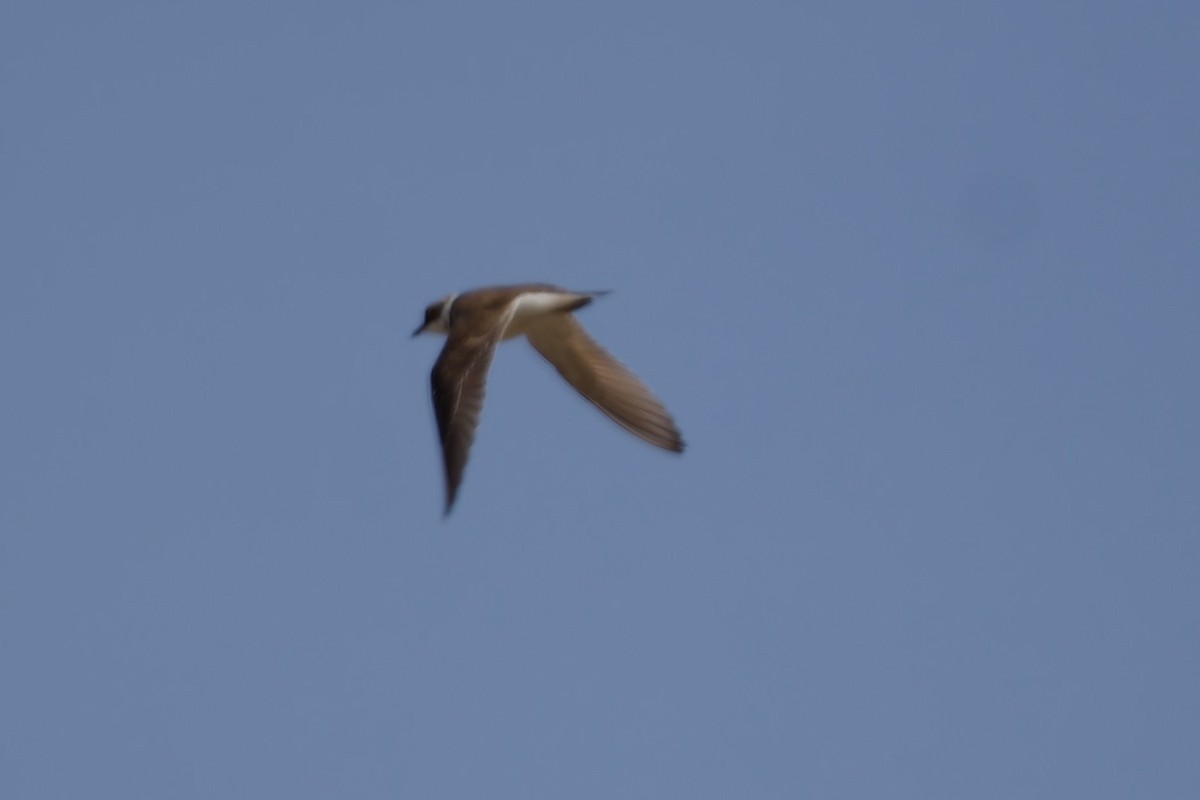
(451, 496)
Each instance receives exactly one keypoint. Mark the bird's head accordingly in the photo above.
(437, 317)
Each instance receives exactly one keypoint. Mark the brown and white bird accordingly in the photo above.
(475, 322)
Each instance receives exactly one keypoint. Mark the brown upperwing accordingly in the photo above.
(459, 378)
(604, 381)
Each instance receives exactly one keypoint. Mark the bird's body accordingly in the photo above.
(475, 322)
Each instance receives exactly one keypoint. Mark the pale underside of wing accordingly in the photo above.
(458, 382)
(604, 381)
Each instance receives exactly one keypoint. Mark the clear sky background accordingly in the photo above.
(920, 282)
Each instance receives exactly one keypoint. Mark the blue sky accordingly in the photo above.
(919, 284)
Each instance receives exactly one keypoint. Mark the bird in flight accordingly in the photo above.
(474, 322)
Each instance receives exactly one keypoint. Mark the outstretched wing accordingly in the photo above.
(459, 381)
(603, 380)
